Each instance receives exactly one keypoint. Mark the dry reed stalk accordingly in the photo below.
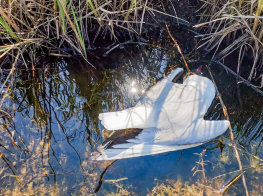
(231, 132)
(239, 23)
(241, 78)
(258, 12)
(178, 48)
(63, 24)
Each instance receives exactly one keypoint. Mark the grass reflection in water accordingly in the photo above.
(52, 126)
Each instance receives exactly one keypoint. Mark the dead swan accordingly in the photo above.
(170, 116)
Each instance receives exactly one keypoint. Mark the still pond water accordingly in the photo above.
(52, 126)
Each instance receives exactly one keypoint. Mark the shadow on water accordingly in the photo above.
(52, 125)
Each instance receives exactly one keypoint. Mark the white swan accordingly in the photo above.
(171, 116)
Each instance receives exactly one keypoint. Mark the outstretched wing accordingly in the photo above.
(135, 117)
(200, 131)
(179, 105)
(130, 150)
(140, 116)
(154, 141)
(174, 104)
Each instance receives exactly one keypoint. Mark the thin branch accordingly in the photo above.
(231, 131)
(178, 48)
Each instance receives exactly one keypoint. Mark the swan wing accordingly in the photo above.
(154, 141)
(135, 117)
(199, 131)
(130, 150)
(202, 130)
(142, 115)
(179, 104)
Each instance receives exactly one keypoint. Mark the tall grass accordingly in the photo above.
(65, 24)
(7, 28)
(237, 23)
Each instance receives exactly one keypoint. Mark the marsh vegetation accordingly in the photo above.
(64, 62)
(235, 27)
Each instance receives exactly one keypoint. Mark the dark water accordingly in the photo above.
(53, 118)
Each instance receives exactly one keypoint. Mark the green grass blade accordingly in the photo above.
(93, 8)
(72, 24)
(63, 15)
(8, 29)
(79, 32)
(4, 49)
(129, 12)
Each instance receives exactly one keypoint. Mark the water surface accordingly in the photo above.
(52, 126)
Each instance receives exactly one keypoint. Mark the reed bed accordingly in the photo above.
(237, 24)
(31, 30)
(66, 25)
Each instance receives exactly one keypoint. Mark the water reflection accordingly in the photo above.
(52, 126)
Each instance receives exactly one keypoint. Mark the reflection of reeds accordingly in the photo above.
(49, 101)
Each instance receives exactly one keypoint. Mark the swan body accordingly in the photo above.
(170, 116)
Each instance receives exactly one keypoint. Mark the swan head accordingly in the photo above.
(199, 70)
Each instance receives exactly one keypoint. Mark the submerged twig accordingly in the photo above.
(226, 186)
(243, 170)
(101, 176)
(115, 181)
(202, 163)
(231, 131)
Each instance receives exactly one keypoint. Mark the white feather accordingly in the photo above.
(139, 150)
